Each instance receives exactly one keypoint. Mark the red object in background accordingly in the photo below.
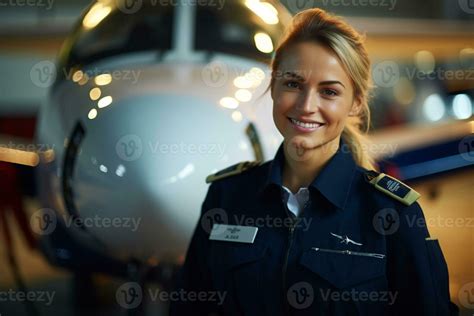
(10, 186)
(11, 199)
(23, 126)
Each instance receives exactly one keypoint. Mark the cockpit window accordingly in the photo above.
(239, 28)
(119, 32)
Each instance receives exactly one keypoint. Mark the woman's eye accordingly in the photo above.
(330, 92)
(292, 84)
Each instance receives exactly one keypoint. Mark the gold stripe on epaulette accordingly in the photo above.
(232, 170)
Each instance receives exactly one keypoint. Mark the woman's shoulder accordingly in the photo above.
(234, 170)
(386, 189)
(238, 184)
(244, 174)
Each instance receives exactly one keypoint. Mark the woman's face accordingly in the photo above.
(312, 96)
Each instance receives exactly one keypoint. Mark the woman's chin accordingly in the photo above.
(299, 147)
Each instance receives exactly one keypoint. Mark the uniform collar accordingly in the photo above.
(333, 182)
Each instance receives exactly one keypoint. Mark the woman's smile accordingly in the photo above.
(305, 127)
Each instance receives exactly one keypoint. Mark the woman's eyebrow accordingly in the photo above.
(293, 75)
(331, 82)
(300, 78)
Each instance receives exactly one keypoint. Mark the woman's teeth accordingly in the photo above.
(305, 125)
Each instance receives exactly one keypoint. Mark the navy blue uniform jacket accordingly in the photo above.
(387, 265)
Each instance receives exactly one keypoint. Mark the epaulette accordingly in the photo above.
(392, 187)
(232, 170)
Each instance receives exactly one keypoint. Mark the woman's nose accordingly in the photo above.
(309, 102)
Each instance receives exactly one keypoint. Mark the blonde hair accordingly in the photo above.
(333, 32)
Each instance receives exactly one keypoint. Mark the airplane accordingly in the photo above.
(148, 99)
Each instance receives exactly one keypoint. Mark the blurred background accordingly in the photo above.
(57, 57)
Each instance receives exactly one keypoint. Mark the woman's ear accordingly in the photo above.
(356, 107)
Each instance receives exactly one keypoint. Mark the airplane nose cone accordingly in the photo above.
(139, 158)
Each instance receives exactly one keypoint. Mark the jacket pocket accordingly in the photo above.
(344, 268)
(231, 255)
(237, 272)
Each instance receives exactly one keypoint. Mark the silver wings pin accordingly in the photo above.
(346, 240)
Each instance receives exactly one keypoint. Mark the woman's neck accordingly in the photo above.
(301, 169)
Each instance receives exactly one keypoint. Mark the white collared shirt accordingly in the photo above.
(296, 202)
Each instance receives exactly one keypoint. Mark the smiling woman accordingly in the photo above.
(321, 66)
(359, 251)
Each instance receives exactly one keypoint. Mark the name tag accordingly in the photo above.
(233, 233)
